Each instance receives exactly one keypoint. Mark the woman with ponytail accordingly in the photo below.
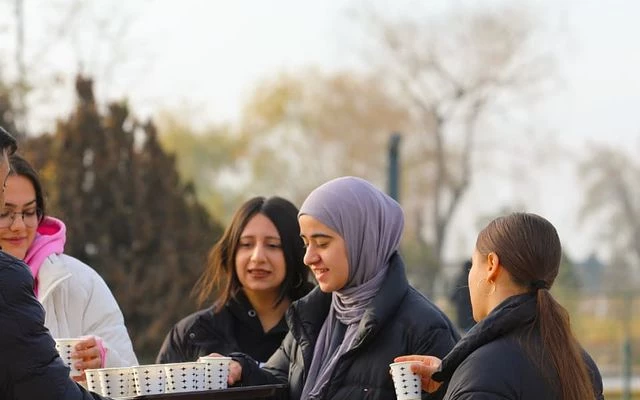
(522, 347)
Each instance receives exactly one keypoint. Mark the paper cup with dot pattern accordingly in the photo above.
(65, 347)
(117, 382)
(216, 372)
(184, 377)
(408, 385)
(149, 379)
(93, 380)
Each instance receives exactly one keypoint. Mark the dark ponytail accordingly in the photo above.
(529, 248)
(562, 348)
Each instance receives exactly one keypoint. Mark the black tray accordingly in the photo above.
(236, 393)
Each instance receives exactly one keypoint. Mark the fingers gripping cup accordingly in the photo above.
(65, 347)
(216, 372)
(408, 385)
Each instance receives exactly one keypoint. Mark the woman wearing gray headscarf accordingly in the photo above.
(347, 331)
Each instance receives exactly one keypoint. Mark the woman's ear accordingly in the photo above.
(493, 266)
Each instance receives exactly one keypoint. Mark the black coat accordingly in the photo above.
(30, 367)
(235, 328)
(399, 321)
(490, 363)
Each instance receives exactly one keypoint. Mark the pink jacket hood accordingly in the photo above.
(50, 239)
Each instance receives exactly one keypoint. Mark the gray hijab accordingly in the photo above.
(371, 224)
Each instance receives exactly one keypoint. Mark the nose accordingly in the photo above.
(17, 222)
(310, 256)
(258, 253)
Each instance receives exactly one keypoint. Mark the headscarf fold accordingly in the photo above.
(371, 224)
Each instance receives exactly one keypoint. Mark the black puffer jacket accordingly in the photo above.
(399, 321)
(30, 367)
(490, 363)
(234, 328)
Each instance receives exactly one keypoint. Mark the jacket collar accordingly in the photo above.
(306, 316)
(513, 313)
(240, 306)
(52, 273)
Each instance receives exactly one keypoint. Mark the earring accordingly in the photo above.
(491, 291)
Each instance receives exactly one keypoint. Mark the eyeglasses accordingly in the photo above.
(30, 218)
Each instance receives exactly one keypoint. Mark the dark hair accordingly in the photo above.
(21, 167)
(220, 273)
(529, 248)
(7, 142)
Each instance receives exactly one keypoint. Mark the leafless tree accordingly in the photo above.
(612, 199)
(460, 75)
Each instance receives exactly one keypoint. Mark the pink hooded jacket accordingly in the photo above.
(50, 239)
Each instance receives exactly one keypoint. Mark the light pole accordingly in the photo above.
(626, 347)
(394, 167)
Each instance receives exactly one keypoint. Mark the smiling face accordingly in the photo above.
(326, 254)
(259, 260)
(20, 198)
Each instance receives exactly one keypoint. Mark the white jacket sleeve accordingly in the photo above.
(103, 318)
(81, 304)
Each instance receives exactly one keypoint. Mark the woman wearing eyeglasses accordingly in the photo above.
(76, 299)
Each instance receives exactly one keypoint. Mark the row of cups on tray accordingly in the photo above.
(208, 373)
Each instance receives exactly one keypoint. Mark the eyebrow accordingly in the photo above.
(253, 236)
(317, 236)
(11, 205)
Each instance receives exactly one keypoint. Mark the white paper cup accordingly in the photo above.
(216, 372)
(93, 380)
(408, 385)
(65, 347)
(117, 382)
(149, 379)
(184, 377)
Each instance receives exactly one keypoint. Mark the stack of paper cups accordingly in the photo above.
(117, 382)
(216, 372)
(149, 379)
(184, 377)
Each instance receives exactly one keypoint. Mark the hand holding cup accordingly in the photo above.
(86, 355)
(235, 370)
(424, 366)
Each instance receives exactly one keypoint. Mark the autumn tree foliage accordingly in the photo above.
(127, 212)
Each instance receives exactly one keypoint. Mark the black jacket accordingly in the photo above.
(30, 367)
(490, 363)
(399, 321)
(234, 328)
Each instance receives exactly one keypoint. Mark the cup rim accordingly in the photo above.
(404, 363)
(92, 369)
(112, 369)
(147, 366)
(181, 363)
